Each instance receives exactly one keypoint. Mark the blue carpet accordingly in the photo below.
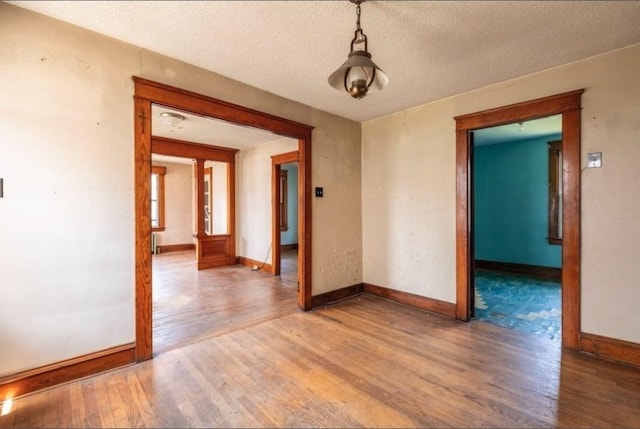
(519, 302)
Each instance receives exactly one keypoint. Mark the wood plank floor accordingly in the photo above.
(363, 362)
(190, 305)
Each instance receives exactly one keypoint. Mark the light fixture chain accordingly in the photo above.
(358, 17)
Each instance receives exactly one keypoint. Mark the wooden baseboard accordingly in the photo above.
(248, 262)
(422, 302)
(293, 246)
(175, 247)
(610, 349)
(530, 270)
(336, 295)
(49, 375)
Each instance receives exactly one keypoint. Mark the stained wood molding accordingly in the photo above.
(175, 247)
(248, 262)
(422, 302)
(148, 92)
(49, 375)
(293, 246)
(185, 149)
(610, 349)
(568, 105)
(276, 220)
(531, 270)
(336, 295)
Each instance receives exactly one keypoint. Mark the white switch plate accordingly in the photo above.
(594, 160)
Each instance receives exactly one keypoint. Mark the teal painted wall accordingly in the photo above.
(290, 236)
(511, 203)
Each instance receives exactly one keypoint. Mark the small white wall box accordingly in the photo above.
(594, 160)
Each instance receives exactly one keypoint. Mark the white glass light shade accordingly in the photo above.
(358, 75)
(172, 118)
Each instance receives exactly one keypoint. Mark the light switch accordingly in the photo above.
(319, 192)
(594, 160)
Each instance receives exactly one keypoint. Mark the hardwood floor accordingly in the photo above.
(361, 362)
(190, 305)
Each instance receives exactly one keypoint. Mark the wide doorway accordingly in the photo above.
(149, 94)
(567, 105)
(517, 228)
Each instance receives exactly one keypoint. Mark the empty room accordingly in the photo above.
(312, 213)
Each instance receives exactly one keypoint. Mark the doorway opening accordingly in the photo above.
(284, 231)
(148, 93)
(567, 105)
(515, 193)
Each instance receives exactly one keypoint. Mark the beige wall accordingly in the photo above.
(254, 198)
(409, 209)
(179, 217)
(67, 223)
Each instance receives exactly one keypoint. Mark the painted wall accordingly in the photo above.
(291, 235)
(253, 172)
(512, 203)
(408, 189)
(179, 217)
(67, 219)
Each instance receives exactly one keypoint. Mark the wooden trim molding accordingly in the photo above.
(611, 349)
(293, 246)
(185, 149)
(568, 105)
(531, 270)
(49, 375)
(285, 158)
(422, 302)
(166, 248)
(276, 213)
(555, 170)
(146, 93)
(337, 295)
(248, 262)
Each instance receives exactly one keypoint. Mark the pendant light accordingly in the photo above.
(358, 75)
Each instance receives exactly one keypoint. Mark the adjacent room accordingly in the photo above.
(199, 294)
(517, 242)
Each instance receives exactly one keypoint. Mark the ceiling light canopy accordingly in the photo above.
(172, 118)
(358, 75)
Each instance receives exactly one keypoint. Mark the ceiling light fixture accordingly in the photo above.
(172, 118)
(358, 75)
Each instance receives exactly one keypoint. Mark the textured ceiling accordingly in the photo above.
(429, 49)
(205, 130)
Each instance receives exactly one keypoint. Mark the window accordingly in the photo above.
(555, 192)
(157, 198)
(284, 225)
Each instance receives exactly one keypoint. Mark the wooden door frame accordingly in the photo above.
(148, 92)
(276, 163)
(568, 105)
